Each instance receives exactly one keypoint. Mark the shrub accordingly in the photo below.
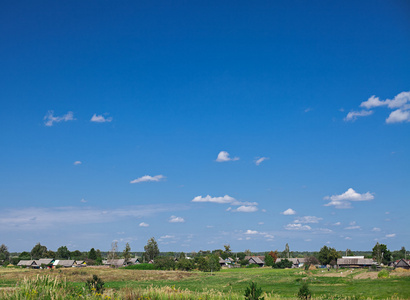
(284, 263)
(304, 292)
(95, 284)
(164, 263)
(185, 264)
(252, 292)
(383, 274)
(140, 267)
(253, 266)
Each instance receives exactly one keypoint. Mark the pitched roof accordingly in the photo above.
(256, 259)
(355, 261)
(26, 263)
(64, 263)
(402, 263)
(294, 261)
(45, 261)
(115, 262)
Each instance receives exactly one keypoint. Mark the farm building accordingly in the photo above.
(354, 262)
(296, 262)
(403, 264)
(67, 263)
(257, 260)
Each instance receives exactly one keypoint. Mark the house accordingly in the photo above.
(257, 260)
(27, 263)
(296, 262)
(67, 263)
(133, 261)
(226, 262)
(116, 263)
(44, 261)
(354, 262)
(403, 264)
(80, 263)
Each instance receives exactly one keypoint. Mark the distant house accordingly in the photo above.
(226, 262)
(80, 263)
(296, 262)
(115, 262)
(403, 264)
(66, 263)
(257, 260)
(354, 262)
(133, 261)
(27, 263)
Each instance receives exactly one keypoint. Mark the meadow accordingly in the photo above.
(225, 284)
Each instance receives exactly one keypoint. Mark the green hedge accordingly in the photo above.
(140, 267)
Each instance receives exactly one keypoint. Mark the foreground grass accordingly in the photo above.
(226, 284)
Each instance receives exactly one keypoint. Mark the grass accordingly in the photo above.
(227, 284)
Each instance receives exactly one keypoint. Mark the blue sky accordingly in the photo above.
(205, 123)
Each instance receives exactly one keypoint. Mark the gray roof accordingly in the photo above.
(45, 261)
(115, 262)
(256, 260)
(355, 261)
(26, 263)
(294, 261)
(64, 263)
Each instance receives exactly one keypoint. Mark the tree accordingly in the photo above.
(286, 252)
(182, 255)
(24, 255)
(63, 252)
(253, 292)
(185, 264)
(209, 263)
(247, 252)
(127, 252)
(38, 251)
(4, 254)
(92, 254)
(328, 255)
(151, 249)
(164, 263)
(283, 264)
(274, 255)
(269, 260)
(112, 254)
(381, 253)
(227, 252)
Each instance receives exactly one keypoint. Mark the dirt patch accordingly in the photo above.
(366, 275)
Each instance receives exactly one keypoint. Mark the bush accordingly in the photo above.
(95, 285)
(383, 274)
(185, 264)
(283, 264)
(252, 292)
(253, 266)
(164, 263)
(304, 292)
(140, 267)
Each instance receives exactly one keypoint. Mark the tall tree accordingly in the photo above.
(112, 254)
(151, 249)
(126, 254)
(38, 251)
(4, 253)
(328, 255)
(92, 254)
(381, 253)
(63, 252)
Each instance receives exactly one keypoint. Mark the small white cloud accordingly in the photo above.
(100, 119)
(222, 200)
(352, 227)
(269, 236)
(248, 238)
(143, 224)
(373, 101)
(398, 116)
(353, 115)
(376, 229)
(337, 224)
(307, 110)
(210, 226)
(343, 200)
(175, 219)
(167, 237)
(400, 100)
(246, 209)
(261, 223)
(83, 201)
(325, 230)
(288, 212)
(229, 208)
(77, 162)
(260, 160)
(308, 220)
(392, 235)
(348, 238)
(308, 240)
(49, 118)
(297, 227)
(224, 156)
(252, 232)
(263, 210)
(148, 178)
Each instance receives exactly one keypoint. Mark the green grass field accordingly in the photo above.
(278, 284)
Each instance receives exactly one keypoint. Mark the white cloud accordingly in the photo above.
(400, 100)
(325, 230)
(260, 160)
(83, 201)
(348, 238)
(247, 209)
(337, 224)
(224, 156)
(49, 118)
(269, 236)
(222, 200)
(100, 119)
(373, 101)
(308, 220)
(148, 178)
(392, 235)
(251, 232)
(398, 116)
(175, 219)
(167, 237)
(288, 212)
(353, 115)
(297, 227)
(376, 229)
(77, 162)
(143, 224)
(352, 227)
(261, 223)
(343, 200)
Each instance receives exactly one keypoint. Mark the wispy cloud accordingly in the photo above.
(50, 119)
(297, 227)
(224, 156)
(344, 200)
(100, 119)
(258, 161)
(392, 235)
(77, 162)
(32, 218)
(175, 219)
(376, 229)
(148, 178)
(252, 232)
(308, 220)
(288, 212)
(246, 209)
(143, 224)
(353, 115)
(83, 201)
(222, 200)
